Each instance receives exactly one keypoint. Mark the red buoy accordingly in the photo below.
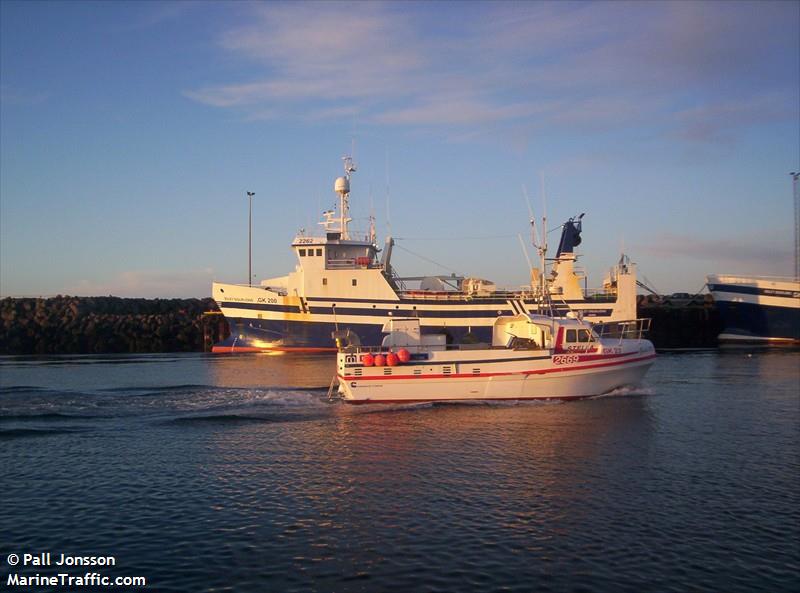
(403, 355)
(367, 360)
(391, 359)
(379, 360)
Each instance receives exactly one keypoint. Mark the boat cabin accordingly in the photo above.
(523, 331)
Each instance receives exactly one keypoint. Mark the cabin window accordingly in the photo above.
(302, 252)
(579, 335)
(324, 282)
(319, 252)
(355, 282)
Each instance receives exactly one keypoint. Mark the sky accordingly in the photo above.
(130, 133)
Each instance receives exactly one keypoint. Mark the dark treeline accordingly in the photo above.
(93, 325)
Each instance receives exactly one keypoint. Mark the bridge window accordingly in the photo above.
(578, 335)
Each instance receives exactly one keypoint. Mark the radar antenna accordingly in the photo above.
(342, 187)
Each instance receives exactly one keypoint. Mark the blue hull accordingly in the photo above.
(759, 323)
(253, 335)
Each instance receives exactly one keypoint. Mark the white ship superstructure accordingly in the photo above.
(345, 283)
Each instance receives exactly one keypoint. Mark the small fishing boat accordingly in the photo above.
(530, 357)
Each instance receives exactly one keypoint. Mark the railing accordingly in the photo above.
(623, 330)
(350, 264)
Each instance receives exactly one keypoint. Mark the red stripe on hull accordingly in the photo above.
(471, 375)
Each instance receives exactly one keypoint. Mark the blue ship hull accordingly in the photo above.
(753, 322)
(757, 310)
(258, 335)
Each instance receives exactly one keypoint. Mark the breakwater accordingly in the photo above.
(95, 325)
(693, 324)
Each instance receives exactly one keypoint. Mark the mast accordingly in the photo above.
(343, 189)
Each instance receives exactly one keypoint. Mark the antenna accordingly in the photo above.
(530, 214)
(372, 238)
(388, 212)
(544, 213)
(524, 251)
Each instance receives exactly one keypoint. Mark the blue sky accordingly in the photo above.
(130, 132)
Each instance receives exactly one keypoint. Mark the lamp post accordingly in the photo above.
(795, 177)
(250, 195)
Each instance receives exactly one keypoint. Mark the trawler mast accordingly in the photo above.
(342, 187)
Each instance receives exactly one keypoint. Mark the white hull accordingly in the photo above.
(566, 384)
(563, 369)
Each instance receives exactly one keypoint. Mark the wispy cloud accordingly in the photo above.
(716, 122)
(694, 69)
(147, 283)
(17, 96)
(726, 251)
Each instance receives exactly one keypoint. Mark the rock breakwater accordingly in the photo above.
(93, 325)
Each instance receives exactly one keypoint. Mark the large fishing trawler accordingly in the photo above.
(347, 283)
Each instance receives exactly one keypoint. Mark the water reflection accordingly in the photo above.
(764, 364)
(310, 371)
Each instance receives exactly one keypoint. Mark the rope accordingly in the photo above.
(444, 267)
(476, 238)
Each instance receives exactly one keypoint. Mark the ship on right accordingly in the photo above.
(761, 309)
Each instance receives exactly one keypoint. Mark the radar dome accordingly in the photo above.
(341, 186)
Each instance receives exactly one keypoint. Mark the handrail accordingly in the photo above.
(633, 329)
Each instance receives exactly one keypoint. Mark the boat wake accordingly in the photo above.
(637, 390)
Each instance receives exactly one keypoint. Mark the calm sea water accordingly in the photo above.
(234, 473)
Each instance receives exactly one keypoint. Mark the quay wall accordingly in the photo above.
(95, 325)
